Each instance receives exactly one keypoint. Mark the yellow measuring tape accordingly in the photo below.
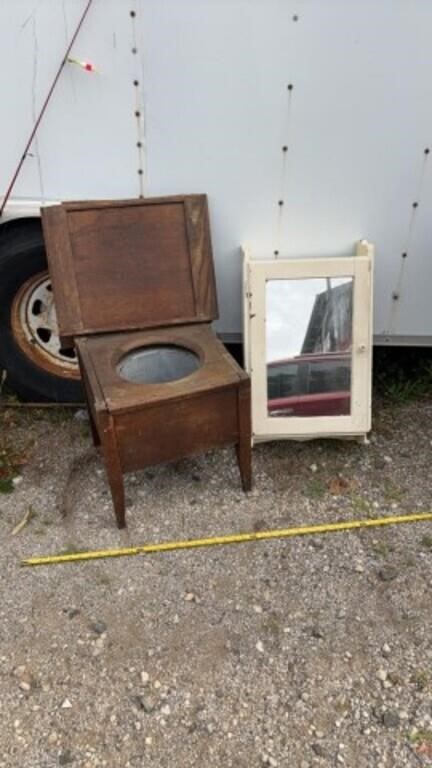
(236, 538)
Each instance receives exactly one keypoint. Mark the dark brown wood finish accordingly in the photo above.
(198, 230)
(62, 271)
(177, 429)
(159, 291)
(141, 265)
(244, 443)
(103, 354)
(113, 466)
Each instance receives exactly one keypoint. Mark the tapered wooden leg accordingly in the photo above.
(94, 432)
(114, 471)
(244, 445)
(87, 395)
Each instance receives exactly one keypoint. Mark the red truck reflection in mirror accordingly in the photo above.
(310, 385)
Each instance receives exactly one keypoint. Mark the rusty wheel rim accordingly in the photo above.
(35, 329)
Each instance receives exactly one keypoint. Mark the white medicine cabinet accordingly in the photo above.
(308, 344)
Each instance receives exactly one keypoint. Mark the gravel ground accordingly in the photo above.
(296, 653)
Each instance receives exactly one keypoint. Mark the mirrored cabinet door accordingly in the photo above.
(308, 346)
(308, 335)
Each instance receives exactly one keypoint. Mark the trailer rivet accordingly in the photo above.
(134, 50)
(404, 255)
(427, 150)
(276, 253)
(415, 205)
(290, 86)
(285, 149)
(139, 143)
(295, 18)
(280, 202)
(137, 113)
(395, 296)
(140, 171)
(136, 82)
(133, 14)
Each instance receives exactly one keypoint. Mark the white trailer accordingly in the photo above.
(307, 122)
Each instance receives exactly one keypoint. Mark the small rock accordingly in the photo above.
(388, 573)
(137, 701)
(259, 646)
(148, 704)
(382, 675)
(317, 632)
(379, 463)
(166, 710)
(313, 468)
(66, 704)
(26, 681)
(391, 718)
(99, 627)
(73, 612)
(16, 480)
(359, 568)
(269, 760)
(189, 597)
(145, 677)
(81, 415)
(317, 544)
(257, 609)
(66, 757)
(386, 650)
(319, 749)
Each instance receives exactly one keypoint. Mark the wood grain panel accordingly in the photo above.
(132, 266)
(122, 265)
(62, 272)
(168, 431)
(204, 284)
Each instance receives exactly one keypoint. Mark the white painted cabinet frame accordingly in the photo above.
(256, 273)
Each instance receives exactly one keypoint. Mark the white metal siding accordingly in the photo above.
(215, 84)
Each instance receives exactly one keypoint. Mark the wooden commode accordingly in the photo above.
(134, 288)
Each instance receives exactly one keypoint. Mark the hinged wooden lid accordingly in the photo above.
(125, 264)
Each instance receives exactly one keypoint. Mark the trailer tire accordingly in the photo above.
(37, 369)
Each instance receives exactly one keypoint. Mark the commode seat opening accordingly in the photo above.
(157, 364)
